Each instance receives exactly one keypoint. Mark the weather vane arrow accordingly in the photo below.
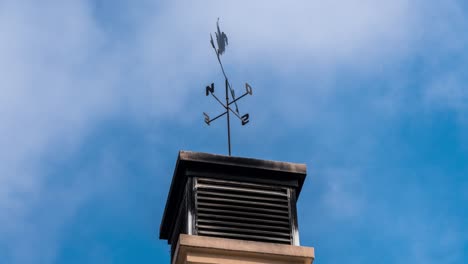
(222, 42)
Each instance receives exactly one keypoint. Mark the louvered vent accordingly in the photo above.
(240, 210)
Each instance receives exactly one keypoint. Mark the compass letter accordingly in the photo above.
(248, 88)
(245, 119)
(210, 89)
(207, 118)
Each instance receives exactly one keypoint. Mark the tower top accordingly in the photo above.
(232, 198)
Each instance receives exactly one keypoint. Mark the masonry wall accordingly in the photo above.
(210, 250)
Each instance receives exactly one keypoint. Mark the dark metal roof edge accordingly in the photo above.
(280, 166)
(162, 227)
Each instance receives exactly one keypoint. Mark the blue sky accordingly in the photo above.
(98, 97)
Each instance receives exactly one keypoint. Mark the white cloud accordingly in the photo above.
(286, 34)
(53, 90)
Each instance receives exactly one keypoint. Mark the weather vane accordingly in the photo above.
(222, 41)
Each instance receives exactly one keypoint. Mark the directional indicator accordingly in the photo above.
(207, 118)
(245, 119)
(248, 88)
(222, 42)
(210, 89)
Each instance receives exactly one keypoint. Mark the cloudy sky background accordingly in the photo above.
(97, 98)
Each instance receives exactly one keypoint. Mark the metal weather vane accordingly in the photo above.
(222, 42)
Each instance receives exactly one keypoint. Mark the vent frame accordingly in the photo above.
(269, 213)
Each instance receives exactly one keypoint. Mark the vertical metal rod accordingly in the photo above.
(228, 125)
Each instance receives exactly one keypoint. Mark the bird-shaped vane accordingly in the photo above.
(222, 42)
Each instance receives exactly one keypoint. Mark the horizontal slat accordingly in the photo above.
(240, 184)
(248, 203)
(241, 202)
(244, 219)
(248, 237)
(243, 224)
(242, 208)
(247, 231)
(237, 189)
(248, 214)
(243, 196)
